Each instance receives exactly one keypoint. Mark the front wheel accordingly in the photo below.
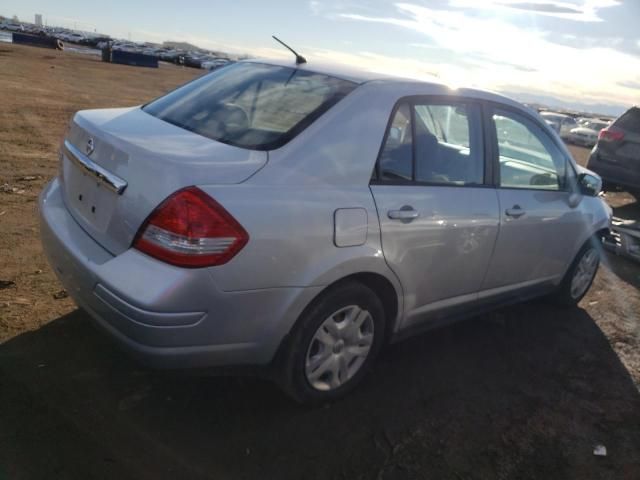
(580, 275)
(333, 344)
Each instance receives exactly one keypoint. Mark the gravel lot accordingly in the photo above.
(526, 392)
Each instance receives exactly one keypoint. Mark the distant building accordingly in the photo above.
(38, 19)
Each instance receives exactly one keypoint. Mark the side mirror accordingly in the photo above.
(589, 185)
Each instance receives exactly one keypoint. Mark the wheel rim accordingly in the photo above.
(339, 348)
(584, 273)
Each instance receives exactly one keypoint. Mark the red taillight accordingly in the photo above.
(611, 134)
(191, 229)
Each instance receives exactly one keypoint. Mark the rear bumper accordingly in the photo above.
(613, 173)
(165, 316)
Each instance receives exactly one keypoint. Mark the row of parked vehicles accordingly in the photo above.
(13, 26)
(188, 58)
(62, 34)
(580, 131)
(616, 145)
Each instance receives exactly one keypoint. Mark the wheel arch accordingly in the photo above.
(383, 287)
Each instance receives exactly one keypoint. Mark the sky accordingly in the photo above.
(581, 54)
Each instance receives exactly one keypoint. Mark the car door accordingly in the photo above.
(438, 213)
(540, 222)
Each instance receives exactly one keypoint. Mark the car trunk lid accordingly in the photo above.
(118, 165)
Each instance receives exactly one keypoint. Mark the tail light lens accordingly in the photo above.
(611, 134)
(190, 229)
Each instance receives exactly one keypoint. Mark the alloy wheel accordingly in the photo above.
(339, 348)
(584, 273)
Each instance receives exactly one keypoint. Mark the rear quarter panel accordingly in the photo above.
(291, 237)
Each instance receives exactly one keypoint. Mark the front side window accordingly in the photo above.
(251, 105)
(528, 157)
(436, 143)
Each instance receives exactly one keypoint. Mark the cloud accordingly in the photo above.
(493, 53)
(586, 11)
(545, 8)
(315, 7)
(630, 84)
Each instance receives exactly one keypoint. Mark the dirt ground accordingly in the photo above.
(524, 393)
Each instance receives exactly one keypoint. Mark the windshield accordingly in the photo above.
(251, 105)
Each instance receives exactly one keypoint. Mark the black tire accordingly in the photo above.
(564, 296)
(292, 359)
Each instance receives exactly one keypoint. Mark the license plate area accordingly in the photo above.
(88, 197)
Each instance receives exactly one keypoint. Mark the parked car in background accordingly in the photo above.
(587, 133)
(170, 56)
(215, 63)
(75, 38)
(561, 123)
(193, 59)
(616, 156)
(13, 27)
(385, 206)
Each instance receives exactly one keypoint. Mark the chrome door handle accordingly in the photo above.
(406, 213)
(515, 211)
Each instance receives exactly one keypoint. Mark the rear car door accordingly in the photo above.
(540, 221)
(438, 213)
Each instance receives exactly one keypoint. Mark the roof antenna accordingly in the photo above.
(299, 58)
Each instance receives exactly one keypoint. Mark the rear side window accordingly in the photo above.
(396, 159)
(436, 143)
(630, 120)
(251, 105)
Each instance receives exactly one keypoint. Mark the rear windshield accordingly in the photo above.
(630, 120)
(251, 105)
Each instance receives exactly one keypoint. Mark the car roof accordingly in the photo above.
(361, 76)
(337, 70)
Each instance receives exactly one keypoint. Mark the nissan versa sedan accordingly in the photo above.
(299, 217)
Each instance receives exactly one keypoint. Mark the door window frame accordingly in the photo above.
(491, 108)
(485, 152)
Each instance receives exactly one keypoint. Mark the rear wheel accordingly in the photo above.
(333, 344)
(580, 275)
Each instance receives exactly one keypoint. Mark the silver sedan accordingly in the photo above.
(301, 216)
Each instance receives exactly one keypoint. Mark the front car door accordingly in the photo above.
(438, 211)
(541, 223)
